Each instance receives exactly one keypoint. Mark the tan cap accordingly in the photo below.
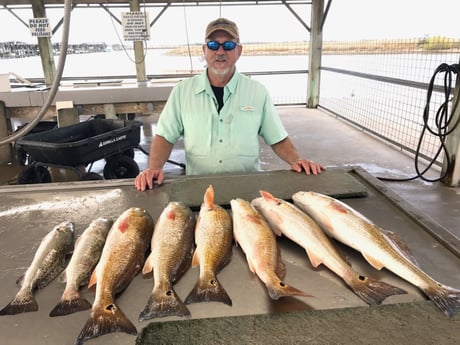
(222, 24)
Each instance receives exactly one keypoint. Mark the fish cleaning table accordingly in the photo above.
(28, 212)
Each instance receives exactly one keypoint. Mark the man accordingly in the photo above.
(220, 114)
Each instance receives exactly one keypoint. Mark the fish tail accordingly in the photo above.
(22, 303)
(208, 289)
(445, 298)
(281, 289)
(163, 303)
(103, 321)
(70, 306)
(373, 291)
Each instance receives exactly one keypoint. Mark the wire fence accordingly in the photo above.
(382, 87)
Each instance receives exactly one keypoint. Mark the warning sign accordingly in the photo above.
(40, 27)
(135, 26)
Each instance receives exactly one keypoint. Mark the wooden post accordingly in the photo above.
(66, 114)
(109, 111)
(453, 144)
(139, 57)
(5, 149)
(315, 51)
(45, 46)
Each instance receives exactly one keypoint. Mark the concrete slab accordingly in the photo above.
(27, 213)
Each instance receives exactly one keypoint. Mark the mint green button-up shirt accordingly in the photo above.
(220, 142)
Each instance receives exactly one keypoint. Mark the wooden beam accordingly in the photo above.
(315, 52)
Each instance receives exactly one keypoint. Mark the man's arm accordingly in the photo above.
(286, 150)
(160, 150)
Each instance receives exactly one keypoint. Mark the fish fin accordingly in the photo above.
(22, 303)
(269, 197)
(280, 266)
(93, 279)
(70, 306)
(103, 321)
(148, 267)
(163, 303)
(195, 259)
(373, 291)
(374, 263)
(20, 280)
(314, 260)
(209, 197)
(208, 289)
(445, 298)
(397, 243)
(337, 206)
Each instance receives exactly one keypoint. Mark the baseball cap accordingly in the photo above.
(222, 24)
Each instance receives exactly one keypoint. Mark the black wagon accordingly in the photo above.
(80, 145)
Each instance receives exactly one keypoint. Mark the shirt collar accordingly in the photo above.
(203, 82)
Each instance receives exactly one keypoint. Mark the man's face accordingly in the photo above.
(221, 62)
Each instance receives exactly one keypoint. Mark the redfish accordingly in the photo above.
(255, 237)
(172, 250)
(121, 260)
(352, 228)
(214, 241)
(287, 219)
(49, 261)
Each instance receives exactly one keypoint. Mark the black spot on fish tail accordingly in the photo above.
(104, 321)
(66, 307)
(282, 289)
(445, 298)
(18, 305)
(208, 290)
(163, 304)
(372, 291)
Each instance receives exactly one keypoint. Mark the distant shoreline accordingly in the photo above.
(428, 45)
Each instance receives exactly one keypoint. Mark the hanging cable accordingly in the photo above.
(56, 82)
(443, 124)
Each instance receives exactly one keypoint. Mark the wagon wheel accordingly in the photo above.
(121, 166)
(34, 174)
(128, 152)
(91, 176)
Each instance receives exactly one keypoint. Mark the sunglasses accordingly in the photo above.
(227, 45)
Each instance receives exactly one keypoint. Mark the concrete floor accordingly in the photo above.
(334, 143)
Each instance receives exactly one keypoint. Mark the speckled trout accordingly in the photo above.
(214, 241)
(255, 237)
(172, 250)
(285, 218)
(86, 254)
(352, 228)
(121, 260)
(49, 261)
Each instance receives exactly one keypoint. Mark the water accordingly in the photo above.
(283, 88)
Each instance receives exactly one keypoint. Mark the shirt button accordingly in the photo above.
(220, 140)
(221, 120)
(220, 160)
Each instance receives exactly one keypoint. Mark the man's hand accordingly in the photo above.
(308, 166)
(145, 178)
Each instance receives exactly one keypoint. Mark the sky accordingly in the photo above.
(347, 20)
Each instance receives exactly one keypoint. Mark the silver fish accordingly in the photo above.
(353, 229)
(48, 262)
(86, 254)
(292, 222)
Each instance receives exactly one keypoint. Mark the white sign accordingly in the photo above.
(40, 27)
(135, 26)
